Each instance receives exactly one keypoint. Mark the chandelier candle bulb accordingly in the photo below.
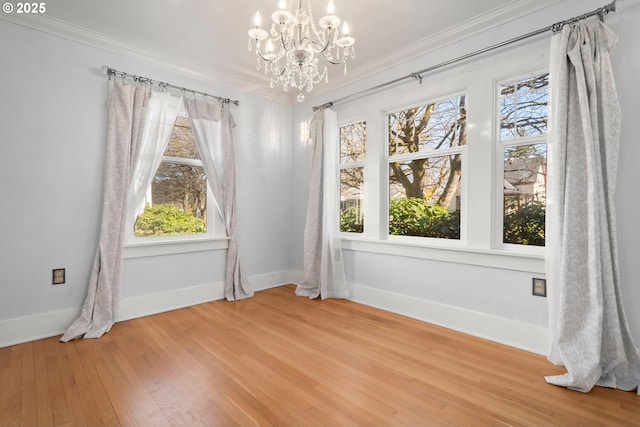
(296, 49)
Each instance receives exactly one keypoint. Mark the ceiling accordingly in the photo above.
(207, 39)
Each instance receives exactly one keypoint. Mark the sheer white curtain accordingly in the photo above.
(128, 107)
(164, 108)
(323, 263)
(591, 337)
(212, 125)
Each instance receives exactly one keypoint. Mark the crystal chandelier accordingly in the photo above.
(291, 53)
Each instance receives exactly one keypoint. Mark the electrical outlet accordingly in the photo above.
(539, 287)
(58, 276)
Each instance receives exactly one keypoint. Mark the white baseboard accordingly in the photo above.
(525, 336)
(35, 327)
(45, 325)
(522, 335)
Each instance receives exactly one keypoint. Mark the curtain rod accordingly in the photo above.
(115, 73)
(600, 12)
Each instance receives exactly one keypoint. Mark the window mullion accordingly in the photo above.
(426, 154)
(182, 161)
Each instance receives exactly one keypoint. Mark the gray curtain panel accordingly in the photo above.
(323, 262)
(310, 286)
(591, 334)
(128, 105)
(212, 124)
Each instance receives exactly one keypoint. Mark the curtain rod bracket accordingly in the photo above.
(417, 76)
(323, 106)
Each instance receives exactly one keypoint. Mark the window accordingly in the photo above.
(426, 146)
(352, 156)
(522, 139)
(176, 202)
(439, 157)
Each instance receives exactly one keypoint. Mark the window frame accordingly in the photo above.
(499, 147)
(480, 198)
(213, 239)
(440, 152)
(352, 165)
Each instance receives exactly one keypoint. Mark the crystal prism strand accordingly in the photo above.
(345, 68)
(353, 52)
(271, 83)
(250, 45)
(274, 33)
(258, 63)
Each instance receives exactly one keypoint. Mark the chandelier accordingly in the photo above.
(290, 53)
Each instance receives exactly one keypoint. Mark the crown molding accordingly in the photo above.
(253, 84)
(63, 29)
(515, 9)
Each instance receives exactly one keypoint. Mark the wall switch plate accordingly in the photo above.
(58, 276)
(539, 287)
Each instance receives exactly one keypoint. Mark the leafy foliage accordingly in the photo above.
(525, 225)
(414, 217)
(351, 220)
(167, 220)
(411, 216)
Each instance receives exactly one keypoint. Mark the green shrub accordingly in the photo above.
(525, 225)
(166, 220)
(351, 220)
(412, 216)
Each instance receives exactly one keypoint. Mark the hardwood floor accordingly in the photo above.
(282, 360)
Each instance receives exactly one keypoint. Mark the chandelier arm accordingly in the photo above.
(317, 47)
(330, 61)
(263, 58)
(284, 43)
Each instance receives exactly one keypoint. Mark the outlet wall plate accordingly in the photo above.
(539, 287)
(58, 276)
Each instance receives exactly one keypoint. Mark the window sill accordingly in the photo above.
(171, 247)
(498, 258)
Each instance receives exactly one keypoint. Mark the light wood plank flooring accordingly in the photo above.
(282, 360)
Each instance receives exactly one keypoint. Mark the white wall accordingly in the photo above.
(52, 149)
(464, 296)
(52, 158)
